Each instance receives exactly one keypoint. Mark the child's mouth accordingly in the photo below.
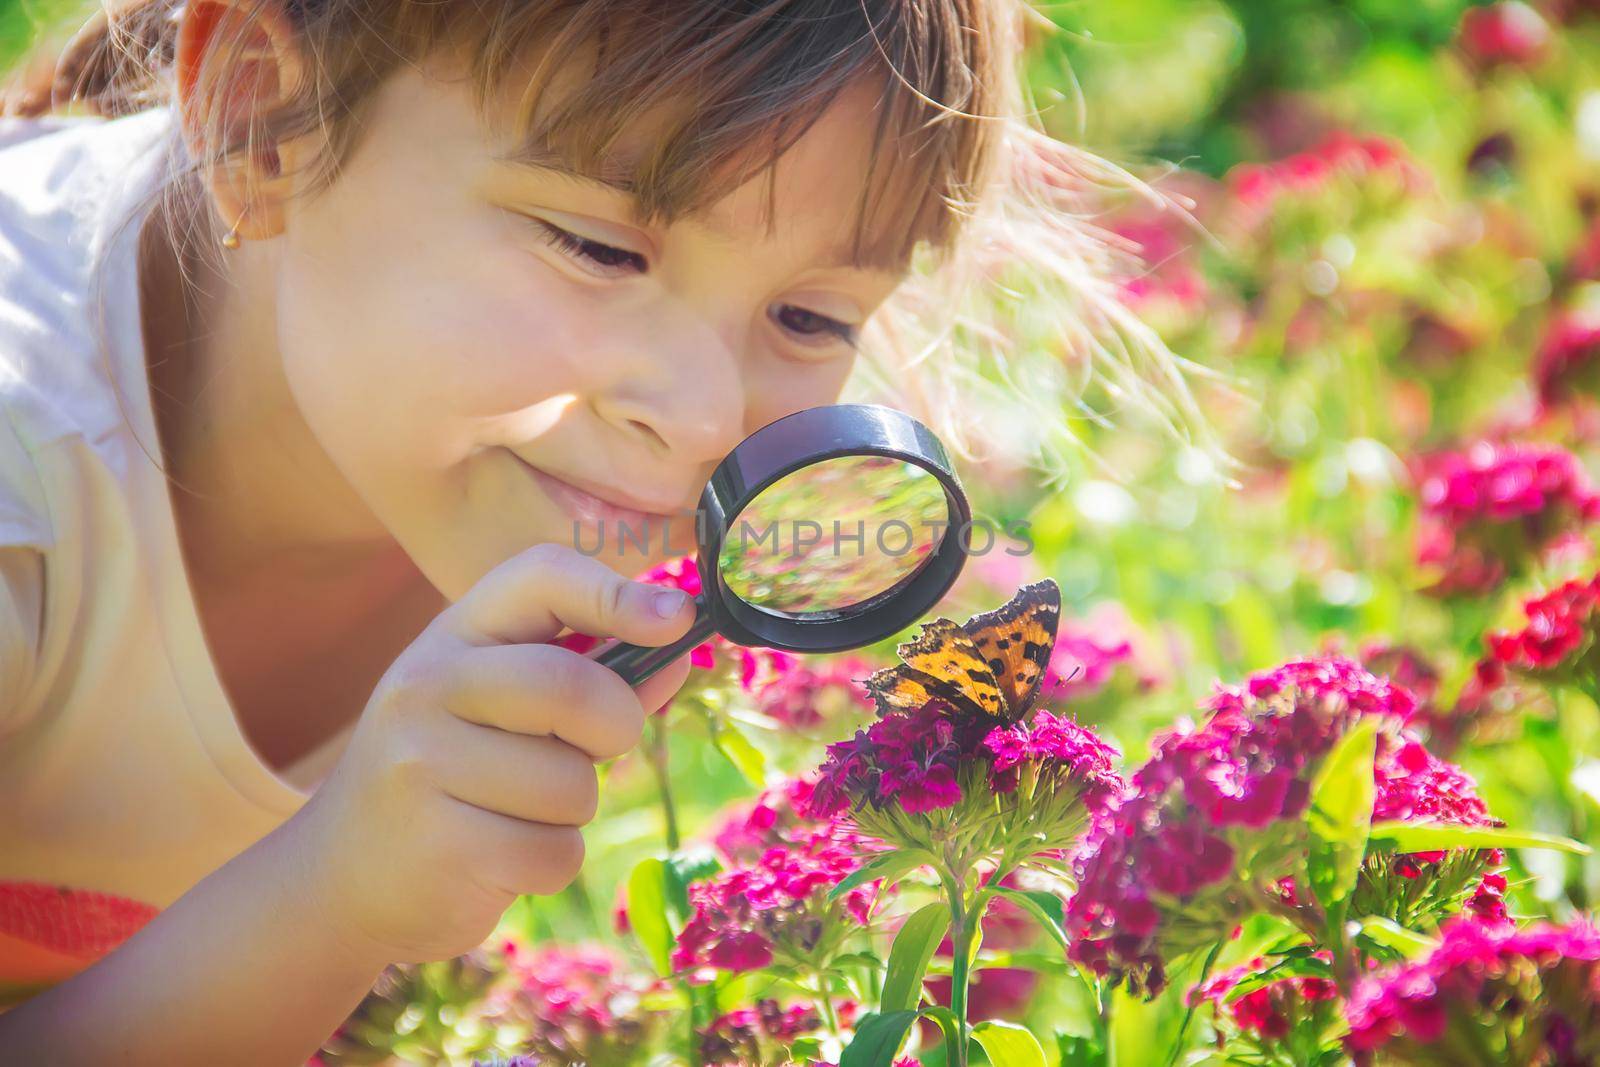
(593, 510)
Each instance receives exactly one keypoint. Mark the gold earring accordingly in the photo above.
(231, 238)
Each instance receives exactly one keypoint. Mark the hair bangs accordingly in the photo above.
(678, 104)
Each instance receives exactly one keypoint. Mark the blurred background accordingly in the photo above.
(1394, 253)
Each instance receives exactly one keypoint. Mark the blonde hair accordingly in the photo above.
(1010, 313)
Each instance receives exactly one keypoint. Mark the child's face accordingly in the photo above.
(483, 387)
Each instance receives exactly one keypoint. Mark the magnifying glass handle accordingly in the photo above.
(635, 663)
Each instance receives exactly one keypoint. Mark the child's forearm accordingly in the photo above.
(240, 970)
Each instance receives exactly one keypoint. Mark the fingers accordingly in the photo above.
(513, 856)
(535, 593)
(543, 690)
(538, 779)
(656, 690)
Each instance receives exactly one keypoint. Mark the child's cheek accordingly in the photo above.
(777, 387)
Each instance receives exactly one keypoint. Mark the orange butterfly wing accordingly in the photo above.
(1015, 641)
(941, 663)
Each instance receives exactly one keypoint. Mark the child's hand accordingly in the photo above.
(473, 765)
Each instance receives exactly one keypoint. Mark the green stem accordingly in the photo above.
(658, 763)
(828, 1014)
(962, 925)
(961, 945)
(692, 1050)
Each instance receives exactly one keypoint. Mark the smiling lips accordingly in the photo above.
(586, 507)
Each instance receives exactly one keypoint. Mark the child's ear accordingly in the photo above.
(236, 60)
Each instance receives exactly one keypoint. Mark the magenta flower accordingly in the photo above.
(1268, 1014)
(1212, 829)
(911, 779)
(1567, 365)
(1260, 189)
(773, 818)
(756, 1035)
(1489, 512)
(579, 1003)
(1489, 994)
(1508, 33)
(1049, 747)
(1558, 642)
(1092, 656)
(776, 906)
(1170, 279)
(807, 694)
(907, 760)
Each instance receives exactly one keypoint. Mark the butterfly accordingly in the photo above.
(990, 665)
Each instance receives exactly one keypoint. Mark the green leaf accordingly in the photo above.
(1340, 814)
(1008, 1044)
(877, 1039)
(888, 865)
(1044, 907)
(1288, 967)
(913, 947)
(806, 1049)
(746, 758)
(693, 866)
(950, 1025)
(649, 889)
(866, 959)
(1428, 837)
(1189, 1009)
(1391, 934)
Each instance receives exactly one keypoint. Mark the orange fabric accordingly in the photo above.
(50, 933)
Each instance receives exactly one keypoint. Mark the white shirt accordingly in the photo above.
(122, 766)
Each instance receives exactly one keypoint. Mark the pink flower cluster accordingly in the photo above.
(1087, 656)
(1414, 785)
(1211, 792)
(1568, 361)
(1483, 704)
(1335, 679)
(1170, 276)
(744, 1035)
(1507, 33)
(1487, 511)
(1559, 635)
(1258, 188)
(746, 915)
(572, 998)
(908, 759)
(1489, 994)
(779, 812)
(914, 760)
(1059, 747)
(1269, 1012)
(804, 696)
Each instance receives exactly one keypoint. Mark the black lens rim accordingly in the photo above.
(784, 446)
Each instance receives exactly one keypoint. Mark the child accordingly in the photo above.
(399, 297)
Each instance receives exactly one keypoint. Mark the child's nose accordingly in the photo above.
(687, 403)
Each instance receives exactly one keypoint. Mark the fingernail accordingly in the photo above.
(669, 602)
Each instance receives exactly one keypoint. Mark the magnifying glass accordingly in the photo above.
(829, 529)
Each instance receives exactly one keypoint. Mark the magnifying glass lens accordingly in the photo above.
(834, 535)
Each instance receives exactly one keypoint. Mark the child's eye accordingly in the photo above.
(603, 258)
(609, 260)
(815, 328)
